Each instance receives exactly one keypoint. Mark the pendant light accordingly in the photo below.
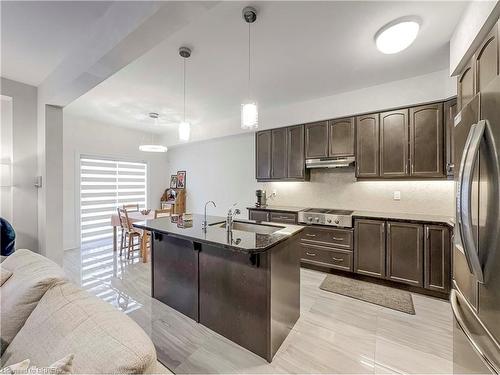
(152, 146)
(184, 126)
(249, 110)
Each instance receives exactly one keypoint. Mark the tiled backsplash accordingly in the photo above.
(338, 188)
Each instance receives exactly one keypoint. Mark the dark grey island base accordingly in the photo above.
(243, 285)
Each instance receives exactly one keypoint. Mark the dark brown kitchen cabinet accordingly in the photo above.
(437, 258)
(279, 152)
(486, 61)
(465, 86)
(295, 152)
(283, 217)
(369, 247)
(426, 141)
(258, 215)
(367, 145)
(263, 155)
(341, 137)
(394, 143)
(450, 111)
(316, 140)
(405, 253)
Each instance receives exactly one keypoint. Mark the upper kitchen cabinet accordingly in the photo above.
(394, 143)
(341, 137)
(263, 155)
(317, 140)
(465, 86)
(279, 153)
(426, 141)
(486, 61)
(367, 145)
(295, 152)
(450, 111)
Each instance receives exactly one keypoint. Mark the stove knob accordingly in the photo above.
(337, 221)
(329, 220)
(310, 218)
(317, 219)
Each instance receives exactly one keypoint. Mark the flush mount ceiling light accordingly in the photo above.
(184, 126)
(249, 109)
(397, 35)
(151, 146)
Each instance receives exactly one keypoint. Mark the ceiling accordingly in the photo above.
(37, 35)
(300, 51)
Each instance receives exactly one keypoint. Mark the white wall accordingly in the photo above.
(223, 169)
(83, 136)
(6, 157)
(24, 161)
(476, 21)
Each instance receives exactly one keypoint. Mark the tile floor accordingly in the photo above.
(335, 334)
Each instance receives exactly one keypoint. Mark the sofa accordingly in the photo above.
(44, 317)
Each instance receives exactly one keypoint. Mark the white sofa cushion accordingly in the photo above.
(32, 275)
(70, 320)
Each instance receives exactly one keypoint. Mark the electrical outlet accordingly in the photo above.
(397, 195)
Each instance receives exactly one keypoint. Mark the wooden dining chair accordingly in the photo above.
(131, 207)
(129, 233)
(162, 213)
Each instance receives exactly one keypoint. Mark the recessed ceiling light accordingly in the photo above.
(397, 36)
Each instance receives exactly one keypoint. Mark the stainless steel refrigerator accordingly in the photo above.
(475, 298)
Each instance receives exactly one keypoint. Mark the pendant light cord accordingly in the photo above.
(249, 94)
(184, 89)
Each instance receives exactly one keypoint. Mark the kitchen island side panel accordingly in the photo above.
(285, 290)
(234, 296)
(175, 273)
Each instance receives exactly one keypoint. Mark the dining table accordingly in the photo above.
(133, 216)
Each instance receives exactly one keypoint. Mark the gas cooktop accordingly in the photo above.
(326, 216)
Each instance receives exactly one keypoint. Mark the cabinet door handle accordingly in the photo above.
(310, 235)
(338, 238)
(337, 260)
(427, 232)
(310, 254)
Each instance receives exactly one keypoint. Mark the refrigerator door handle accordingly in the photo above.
(455, 300)
(464, 199)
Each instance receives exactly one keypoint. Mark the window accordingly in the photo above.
(106, 184)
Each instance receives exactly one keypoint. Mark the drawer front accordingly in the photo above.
(341, 238)
(258, 215)
(283, 217)
(335, 258)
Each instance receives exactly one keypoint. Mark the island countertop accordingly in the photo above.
(238, 240)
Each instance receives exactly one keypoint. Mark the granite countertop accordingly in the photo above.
(238, 240)
(278, 208)
(406, 216)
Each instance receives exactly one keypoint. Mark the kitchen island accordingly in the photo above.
(244, 284)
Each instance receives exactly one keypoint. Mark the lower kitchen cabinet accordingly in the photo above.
(369, 248)
(258, 215)
(437, 255)
(327, 257)
(405, 253)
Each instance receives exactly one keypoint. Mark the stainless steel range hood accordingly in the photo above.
(331, 162)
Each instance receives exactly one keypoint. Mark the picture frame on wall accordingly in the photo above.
(181, 179)
(173, 181)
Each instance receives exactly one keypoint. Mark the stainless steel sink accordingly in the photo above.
(250, 227)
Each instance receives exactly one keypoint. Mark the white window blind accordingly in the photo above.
(106, 184)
